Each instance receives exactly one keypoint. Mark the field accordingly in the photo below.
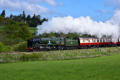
(100, 68)
(104, 64)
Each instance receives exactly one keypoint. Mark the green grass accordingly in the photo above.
(101, 68)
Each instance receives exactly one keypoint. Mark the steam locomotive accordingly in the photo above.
(60, 43)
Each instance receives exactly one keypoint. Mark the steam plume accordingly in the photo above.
(83, 25)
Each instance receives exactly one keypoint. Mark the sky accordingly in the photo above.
(98, 10)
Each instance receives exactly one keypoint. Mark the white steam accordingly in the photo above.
(84, 25)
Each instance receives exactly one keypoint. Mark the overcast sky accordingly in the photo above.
(96, 9)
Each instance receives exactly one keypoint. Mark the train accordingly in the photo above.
(63, 43)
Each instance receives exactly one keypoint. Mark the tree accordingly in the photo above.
(23, 16)
(28, 18)
(31, 21)
(24, 32)
(2, 20)
(11, 16)
(3, 13)
(43, 20)
(15, 32)
(36, 20)
(2, 47)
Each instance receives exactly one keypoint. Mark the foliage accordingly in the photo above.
(24, 32)
(69, 35)
(35, 20)
(57, 55)
(20, 47)
(72, 35)
(2, 20)
(30, 57)
(2, 47)
(9, 48)
(3, 13)
(15, 32)
(31, 21)
(87, 35)
(32, 30)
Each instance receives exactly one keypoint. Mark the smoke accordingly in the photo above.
(115, 20)
(84, 25)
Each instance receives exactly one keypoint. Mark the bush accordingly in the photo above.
(31, 57)
(15, 32)
(2, 47)
(8, 49)
(21, 46)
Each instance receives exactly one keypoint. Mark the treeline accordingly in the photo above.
(68, 35)
(31, 21)
(14, 33)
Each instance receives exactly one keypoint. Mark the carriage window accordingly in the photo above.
(97, 40)
(88, 40)
(94, 40)
(100, 40)
(83, 41)
(103, 40)
(110, 40)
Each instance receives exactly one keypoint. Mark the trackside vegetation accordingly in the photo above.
(56, 55)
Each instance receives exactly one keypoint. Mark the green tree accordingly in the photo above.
(24, 32)
(23, 16)
(2, 47)
(36, 20)
(3, 13)
(15, 32)
(28, 18)
(2, 20)
(11, 16)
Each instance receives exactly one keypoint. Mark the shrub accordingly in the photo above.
(8, 49)
(21, 46)
(2, 47)
(15, 32)
(30, 57)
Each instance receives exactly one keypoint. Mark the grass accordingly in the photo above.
(100, 68)
(57, 55)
